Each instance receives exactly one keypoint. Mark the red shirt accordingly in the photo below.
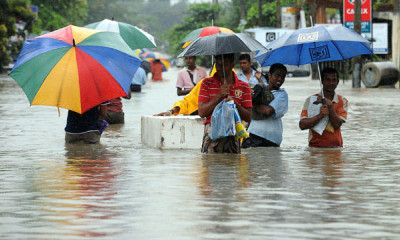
(156, 71)
(115, 105)
(240, 91)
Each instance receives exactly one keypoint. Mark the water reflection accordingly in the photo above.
(82, 191)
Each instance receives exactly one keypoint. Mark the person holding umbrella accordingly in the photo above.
(86, 127)
(324, 123)
(223, 86)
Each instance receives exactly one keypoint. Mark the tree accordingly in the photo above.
(199, 15)
(12, 12)
(55, 14)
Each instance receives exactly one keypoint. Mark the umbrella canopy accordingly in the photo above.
(163, 62)
(147, 55)
(135, 37)
(75, 68)
(202, 32)
(222, 43)
(314, 44)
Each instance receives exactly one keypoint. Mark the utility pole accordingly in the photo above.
(357, 61)
(242, 9)
(278, 14)
(260, 13)
(396, 33)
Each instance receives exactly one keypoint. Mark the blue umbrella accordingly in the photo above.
(314, 44)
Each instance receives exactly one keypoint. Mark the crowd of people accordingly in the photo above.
(260, 101)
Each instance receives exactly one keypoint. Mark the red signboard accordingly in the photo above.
(348, 6)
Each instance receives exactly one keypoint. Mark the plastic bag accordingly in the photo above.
(223, 120)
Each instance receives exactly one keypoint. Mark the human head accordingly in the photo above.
(330, 79)
(245, 62)
(276, 75)
(329, 70)
(157, 60)
(190, 62)
(225, 63)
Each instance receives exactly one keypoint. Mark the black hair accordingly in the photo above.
(245, 56)
(230, 56)
(329, 70)
(277, 66)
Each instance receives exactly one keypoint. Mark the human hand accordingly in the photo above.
(229, 98)
(324, 110)
(224, 91)
(163, 114)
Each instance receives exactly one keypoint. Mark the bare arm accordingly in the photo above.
(182, 92)
(206, 108)
(170, 112)
(307, 123)
(265, 110)
(335, 120)
(129, 95)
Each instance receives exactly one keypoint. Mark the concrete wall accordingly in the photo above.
(178, 132)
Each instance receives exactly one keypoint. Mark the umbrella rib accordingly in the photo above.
(337, 49)
(298, 60)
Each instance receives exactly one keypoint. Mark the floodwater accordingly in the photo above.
(122, 189)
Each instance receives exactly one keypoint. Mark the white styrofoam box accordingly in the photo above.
(175, 132)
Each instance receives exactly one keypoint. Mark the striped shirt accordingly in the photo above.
(330, 137)
(239, 91)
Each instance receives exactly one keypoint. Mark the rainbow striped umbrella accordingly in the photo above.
(202, 32)
(75, 68)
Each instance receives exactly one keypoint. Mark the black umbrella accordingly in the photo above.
(222, 43)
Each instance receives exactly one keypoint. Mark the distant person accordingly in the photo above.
(86, 127)
(138, 80)
(156, 70)
(223, 86)
(188, 77)
(267, 131)
(333, 111)
(115, 113)
(247, 73)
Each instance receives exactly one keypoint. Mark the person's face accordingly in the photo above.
(245, 65)
(221, 66)
(277, 78)
(190, 62)
(330, 82)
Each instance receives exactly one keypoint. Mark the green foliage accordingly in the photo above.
(268, 15)
(12, 12)
(55, 14)
(199, 15)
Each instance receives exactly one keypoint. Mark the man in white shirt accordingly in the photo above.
(247, 74)
(190, 76)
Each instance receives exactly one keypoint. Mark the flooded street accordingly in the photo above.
(122, 189)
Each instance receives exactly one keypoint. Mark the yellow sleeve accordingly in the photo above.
(189, 103)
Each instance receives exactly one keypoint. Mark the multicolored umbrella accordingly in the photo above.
(135, 37)
(163, 62)
(202, 32)
(75, 68)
